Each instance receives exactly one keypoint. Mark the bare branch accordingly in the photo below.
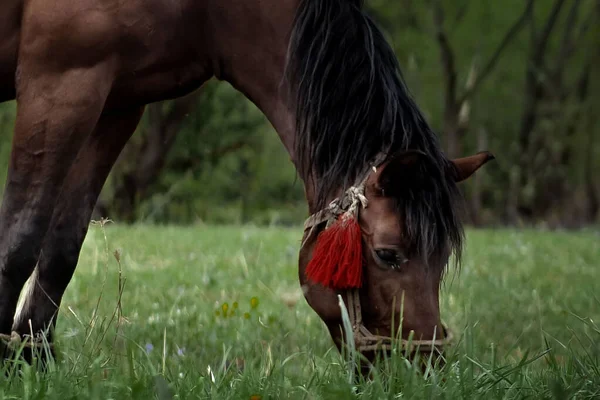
(566, 45)
(489, 66)
(460, 14)
(464, 114)
(585, 26)
(567, 48)
(540, 44)
(446, 53)
(538, 73)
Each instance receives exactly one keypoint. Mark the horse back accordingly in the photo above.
(157, 56)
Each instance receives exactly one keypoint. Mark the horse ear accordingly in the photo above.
(401, 167)
(465, 167)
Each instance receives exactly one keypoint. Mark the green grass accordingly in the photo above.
(216, 312)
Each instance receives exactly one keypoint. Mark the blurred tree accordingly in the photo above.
(456, 103)
(198, 157)
(457, 108)
(531, 121)
(548, 96)
(143, 160)
(518, 77)
(591, 125)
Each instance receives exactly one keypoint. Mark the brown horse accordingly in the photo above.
(320, 70)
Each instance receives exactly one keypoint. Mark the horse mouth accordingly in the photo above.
(420, 355)
(426, 353)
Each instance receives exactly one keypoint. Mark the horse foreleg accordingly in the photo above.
(70, 221)
(57, 109)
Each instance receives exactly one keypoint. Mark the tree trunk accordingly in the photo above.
(456, 105)
(141, 164)
(454, 132)
(476, 194)
(563, 189)
(532, 95)
(593, 209)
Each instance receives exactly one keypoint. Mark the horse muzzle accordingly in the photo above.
(369, 344)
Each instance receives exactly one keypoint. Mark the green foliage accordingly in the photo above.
(227, 166)
(217, 312)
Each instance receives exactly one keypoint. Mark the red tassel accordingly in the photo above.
(337, 258)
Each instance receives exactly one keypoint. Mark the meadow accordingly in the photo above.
(217, 313)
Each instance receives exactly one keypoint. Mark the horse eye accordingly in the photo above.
(390, 257)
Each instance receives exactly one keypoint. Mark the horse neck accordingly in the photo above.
(252, 41)
(249, 41)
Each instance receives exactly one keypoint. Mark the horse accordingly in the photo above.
(383, 198)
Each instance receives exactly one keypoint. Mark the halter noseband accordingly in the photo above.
(350, 202)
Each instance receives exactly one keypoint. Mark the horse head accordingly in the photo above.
(407, 231)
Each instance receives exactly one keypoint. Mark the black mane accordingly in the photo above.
(351, 104)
